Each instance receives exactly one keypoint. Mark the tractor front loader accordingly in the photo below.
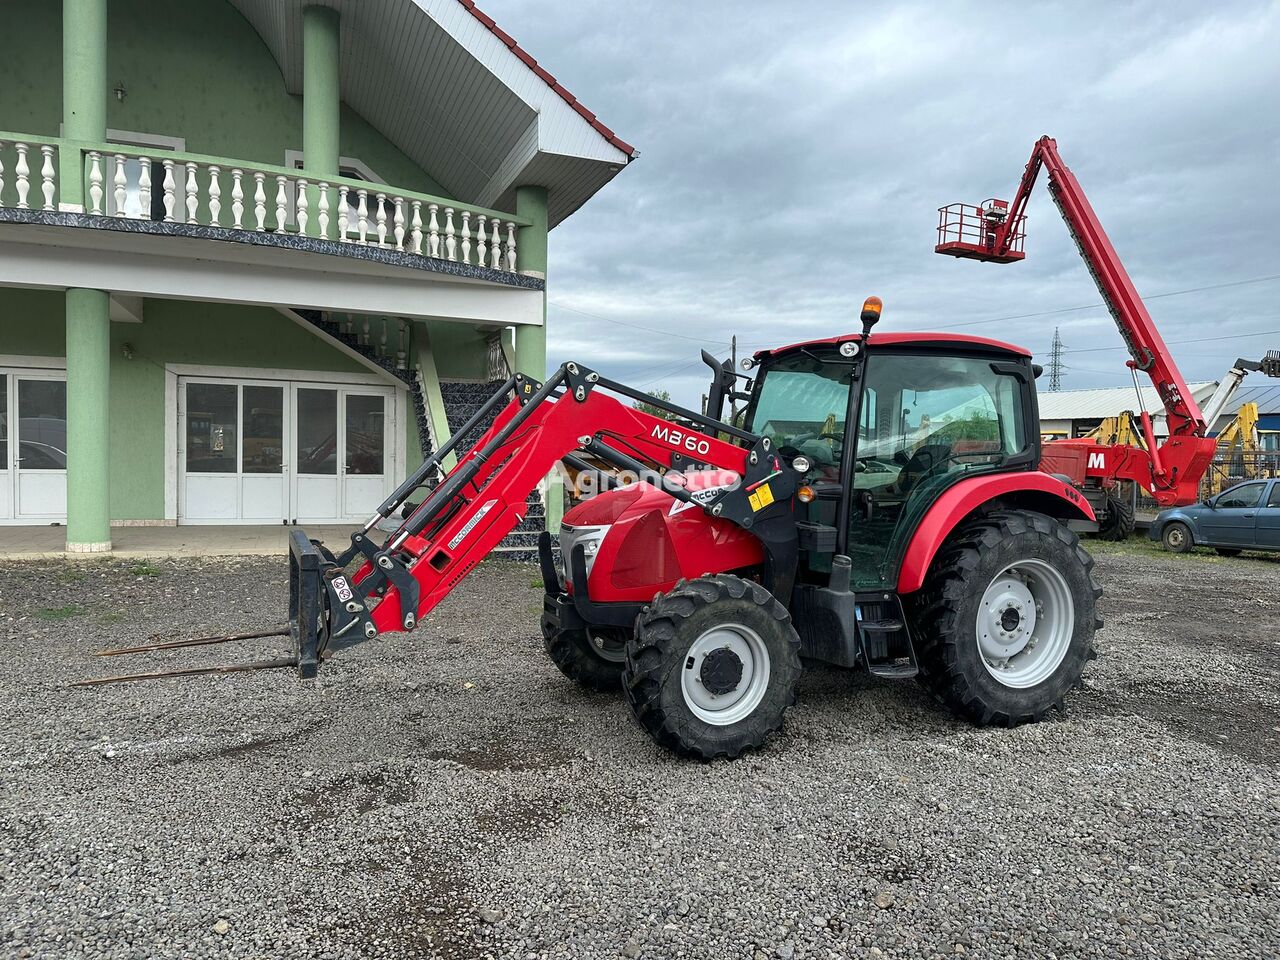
(880, 508)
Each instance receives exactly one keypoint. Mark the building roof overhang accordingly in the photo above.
(458, 96)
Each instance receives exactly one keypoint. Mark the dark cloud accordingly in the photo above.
(794, 156)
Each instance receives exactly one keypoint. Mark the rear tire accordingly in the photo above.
(1120, 522)
(713, 667)
(1177, 537)
(1006, 618)
(593, 659)
(1228, 551)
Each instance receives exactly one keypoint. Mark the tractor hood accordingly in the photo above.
(653, 540)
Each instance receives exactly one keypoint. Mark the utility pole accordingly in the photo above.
(1055, 363)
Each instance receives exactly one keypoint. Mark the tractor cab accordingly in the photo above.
(906, 416)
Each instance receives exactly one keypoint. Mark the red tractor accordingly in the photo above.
(880, 506)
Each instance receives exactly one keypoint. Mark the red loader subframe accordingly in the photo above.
(1170, 471)
(881, 508)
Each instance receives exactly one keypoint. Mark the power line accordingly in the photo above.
(1094, 306)
(1235, 336)
(637, 326)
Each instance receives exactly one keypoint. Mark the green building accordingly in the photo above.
(256, 256)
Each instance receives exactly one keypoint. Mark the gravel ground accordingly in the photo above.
(450, 795)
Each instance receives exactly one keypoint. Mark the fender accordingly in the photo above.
(968, 495)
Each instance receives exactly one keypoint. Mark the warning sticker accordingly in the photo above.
(761, 498)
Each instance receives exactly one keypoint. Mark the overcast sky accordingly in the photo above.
(794, 155)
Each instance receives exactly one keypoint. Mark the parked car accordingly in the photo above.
(1244, 517)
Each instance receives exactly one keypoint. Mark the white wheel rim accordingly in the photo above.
(1175, 536)
(1025, 623)
(723, 708)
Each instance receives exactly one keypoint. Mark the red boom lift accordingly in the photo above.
(1169, 471)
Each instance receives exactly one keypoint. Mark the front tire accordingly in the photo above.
(713, 667)
(1006, 619)
(591, 658)
(1177, 537)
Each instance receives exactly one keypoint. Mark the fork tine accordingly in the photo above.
(189, 672)
(281, 631)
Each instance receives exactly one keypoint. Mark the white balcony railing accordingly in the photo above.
(28, 175)
(168, 187)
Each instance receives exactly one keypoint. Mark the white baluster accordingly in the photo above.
(450, 240)
(433, 231)
(237, 198)
(215, 194)
(466, 236)
(415, 228)
(119, 182)
(1, 173)
(23, 173)
(282, 203)
(495, 244)
(302, 212)
(511, 247)
(382, 219)
(46, 177)
(324, 211)
(399, 223)
(260, 200)
(362, 216)
(20, 171)
(344, 213)
(482, 258)
(170, 188)
(144, 188)
(193, 192)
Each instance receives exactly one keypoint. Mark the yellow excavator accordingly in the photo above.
(1242, 434)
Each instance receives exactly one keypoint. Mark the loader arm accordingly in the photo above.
(477, 504)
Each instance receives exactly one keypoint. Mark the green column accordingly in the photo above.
(84, 117)
(531, 245)
(88, 446)
(84, 88)
(321, 99)
(531, 342)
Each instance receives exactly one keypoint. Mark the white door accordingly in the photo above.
(33, 446)
(232, 454)
(342, 453)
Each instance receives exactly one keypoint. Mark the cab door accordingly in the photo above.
(928, 420)
(1267, 526)
(1231, 521)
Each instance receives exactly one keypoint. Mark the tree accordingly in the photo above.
(653, 409)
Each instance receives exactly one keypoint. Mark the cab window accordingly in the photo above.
(800, 405)
(930, 416)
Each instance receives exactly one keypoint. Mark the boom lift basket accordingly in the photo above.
(969, 231)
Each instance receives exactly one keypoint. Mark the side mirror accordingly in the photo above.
(1212, 503)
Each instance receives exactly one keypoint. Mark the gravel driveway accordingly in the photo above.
(449, 794)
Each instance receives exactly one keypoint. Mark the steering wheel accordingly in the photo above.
(921, 463)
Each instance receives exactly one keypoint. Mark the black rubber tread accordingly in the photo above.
(1188, 541)
(571, 652)
(656, 656)
(944, 615)
(1229, 551)
(1120, 522)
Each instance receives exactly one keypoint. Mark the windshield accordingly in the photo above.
(800, 404)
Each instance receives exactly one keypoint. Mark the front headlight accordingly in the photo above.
(589, 537)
